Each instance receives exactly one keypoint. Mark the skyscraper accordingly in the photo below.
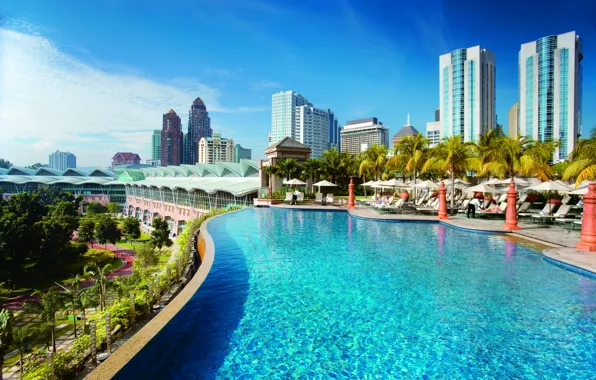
(334, 129)
(359, 135)
(512, 129)
(283, 114)
(312, 128)
(156, 145)
(550, 86)
(171, 140)
(62, 160)
(199, 126)
(242, 153)
(216, 149)
(467, 92)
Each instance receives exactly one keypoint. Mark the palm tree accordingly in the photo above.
(311, 168)
(46, 307)
(101, 282)
(287, 167)
(332, 164)
(5, 335)
(124, 285)
(582, 159)
(72, 297)
(373, 161)
(454, 156)
(270, 170)
(24, 336)
(509, 157)
(410, 151)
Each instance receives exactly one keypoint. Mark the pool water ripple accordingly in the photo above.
(321, 294)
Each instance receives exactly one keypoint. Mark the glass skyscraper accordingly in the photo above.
(550, 91)
(283, 114)
(467, 92)
(156, 145)
(199, 126)
(62, 160)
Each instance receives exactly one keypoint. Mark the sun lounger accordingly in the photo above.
(502, 198)
(330, 199)
(524, 207)
(522, 199)
(464, 206)
(560, 214)
(288, 197)
(545, 211)
(565, 200)
(318, 198)
(300, 197)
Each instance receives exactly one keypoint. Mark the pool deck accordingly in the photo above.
(560, 240)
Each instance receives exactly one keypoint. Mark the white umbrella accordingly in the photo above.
(323, 183)
(457, 182)
(426, 185)
(295, 181)
(550, 186)
(482, 188)
(393, 183)
(517, 181)
(369, 183)
(580, 191)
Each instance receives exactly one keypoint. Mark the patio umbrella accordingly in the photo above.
(457, 181)
(369, 183)
(580, 191)
(295, 182)
(323, 183)
(482, 188)
(426, 185)
(550, 186)
(517, 181)
(393, 183)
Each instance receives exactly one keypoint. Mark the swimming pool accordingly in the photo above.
(320, 294)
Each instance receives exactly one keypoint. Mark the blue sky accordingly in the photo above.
(94, 77)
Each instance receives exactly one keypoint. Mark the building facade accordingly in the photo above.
(359, 135)
(216, 149)
(283, 114)
(199, 126)
(241, 153)
(334, 131)
(513, 118)
(62, 160)
(312, 128)
(125, 158)
(550, 87)
(172, 140)
(433, 133)
(156, 145)
(467, 92)
(407, 130)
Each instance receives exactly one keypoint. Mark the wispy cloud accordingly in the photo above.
(265, 85)
(51, 100)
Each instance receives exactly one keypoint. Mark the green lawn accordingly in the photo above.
(131, 245)
(163, 259)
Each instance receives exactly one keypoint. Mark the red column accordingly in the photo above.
(351, 203)
(442, 202)
(511, 216)
(588, 236)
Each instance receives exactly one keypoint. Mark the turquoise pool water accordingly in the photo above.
(302, 294)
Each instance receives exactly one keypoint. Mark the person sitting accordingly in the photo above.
(294, 197)
(472, 207)
(324, 200)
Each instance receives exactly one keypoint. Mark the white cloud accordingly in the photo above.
(49, 99)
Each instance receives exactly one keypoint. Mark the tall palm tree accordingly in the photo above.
(72, 298)
(521, 156)
(47, 306)
(411, 153)
(287, 167)
(311, 169)
(270, 170)
(349, 165)
(582, 165)
(332, 164)
(373, 161)
(454, 156)
(101, 282)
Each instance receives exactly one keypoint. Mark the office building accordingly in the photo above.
(199, 126)
(438, 114)
(62, 160)
(550, 86)
(406, 130)
(125, 158)
(359, 135)
(242, 153)
(156, 145)
(512, 130)
(283, 114)
(312, 128)
(216, 149)
(334, 130)
(172, 140)
(467, 92)
(433, 133)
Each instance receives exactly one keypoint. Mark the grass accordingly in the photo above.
(164, 257)
(131, 245)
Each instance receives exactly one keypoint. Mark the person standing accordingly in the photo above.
(472, 207)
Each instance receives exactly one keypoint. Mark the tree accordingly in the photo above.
(46, 307)
(270, 170)
(124, 285)
(87, 231)
(332, 162)
(454, 156)
(72, 298)
(411, 151)
(160, 236)
(509, 157)
(55, 247)
(311, 169)
(582, 161)
(5, 335)
(67, 212)
(113, 208)
(5, 164)
(288, 167)
(146, 256)
(131, 228)
(95, 208)
(106, 230)
(101, 282)
(373, 161)
(24, 336)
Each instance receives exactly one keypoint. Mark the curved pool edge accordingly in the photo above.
(119, 358)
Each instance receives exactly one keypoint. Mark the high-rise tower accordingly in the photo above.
(171, 140)
(199, 126)
(550, 86)
(467, 92)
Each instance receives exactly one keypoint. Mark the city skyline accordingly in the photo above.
(115, 95)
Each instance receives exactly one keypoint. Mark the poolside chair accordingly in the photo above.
(524, 207)
(522, 199)
(502, 198)
(560, 214)
(319, 198)
(300, 197)
(464, 206)
(288, 197)
(565, 200)
(545, 211)
(499, 210)
(330, 199)
(486, 204)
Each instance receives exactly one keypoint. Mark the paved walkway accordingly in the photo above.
(578, 258)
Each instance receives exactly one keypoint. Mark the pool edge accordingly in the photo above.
(119, 358)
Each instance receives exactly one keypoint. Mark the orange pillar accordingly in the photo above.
(511, 216)
(588, 236)
(351, 203)
(442, 202)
